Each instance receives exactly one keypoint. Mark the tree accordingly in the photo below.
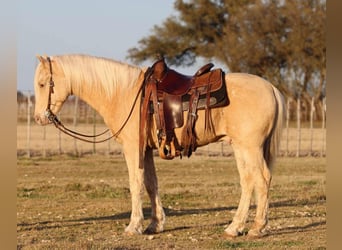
(282, 41)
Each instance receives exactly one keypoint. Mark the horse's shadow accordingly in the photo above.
(42, 225)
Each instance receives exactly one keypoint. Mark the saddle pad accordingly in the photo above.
(217, 99)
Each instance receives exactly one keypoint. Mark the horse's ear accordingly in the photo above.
(43, 58)
(40, 58)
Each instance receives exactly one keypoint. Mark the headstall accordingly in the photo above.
(54, 119)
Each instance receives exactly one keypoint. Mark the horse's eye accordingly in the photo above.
(41, 85)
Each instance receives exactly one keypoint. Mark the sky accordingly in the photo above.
(106, 28)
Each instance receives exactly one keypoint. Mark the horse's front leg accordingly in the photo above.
(151, 184)
(136, 185)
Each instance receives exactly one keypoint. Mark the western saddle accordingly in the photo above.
(167, 94)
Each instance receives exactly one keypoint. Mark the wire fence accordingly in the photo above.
(304, 132)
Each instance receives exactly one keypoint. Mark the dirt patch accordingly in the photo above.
(66, 202)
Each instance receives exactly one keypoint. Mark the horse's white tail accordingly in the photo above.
(272, 142)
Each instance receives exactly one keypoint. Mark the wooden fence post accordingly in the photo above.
(298, 127)
(323, 126)
(75, 124)
(108, 148)
(94, 130)
(44, 141)
(59, 141)
(28, 139)
(287, 125)
(312, 111)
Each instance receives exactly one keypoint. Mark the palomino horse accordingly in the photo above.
(251, 123)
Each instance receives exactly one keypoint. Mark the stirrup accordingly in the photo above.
(167, 152)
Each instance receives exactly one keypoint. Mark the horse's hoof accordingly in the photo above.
(130, 232)
(231, 234)
(152, 229)
(255, 233)
(155, 226)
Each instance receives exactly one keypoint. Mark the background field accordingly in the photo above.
(47, 140)
(67, 202)
(75, 195)
(304, 131)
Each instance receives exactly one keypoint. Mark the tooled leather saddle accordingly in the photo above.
(168, 93)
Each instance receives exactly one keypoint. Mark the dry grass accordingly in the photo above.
(69, 202)
(65, 202)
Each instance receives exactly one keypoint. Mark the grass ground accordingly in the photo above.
(65, 202)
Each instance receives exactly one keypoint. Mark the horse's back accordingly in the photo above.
(251, 111)
(252, 86)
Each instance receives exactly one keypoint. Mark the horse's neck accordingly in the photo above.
(96, 99)
(112, 107)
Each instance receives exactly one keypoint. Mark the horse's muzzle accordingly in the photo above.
(41, 120)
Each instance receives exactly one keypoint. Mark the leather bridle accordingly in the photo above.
(54, 119)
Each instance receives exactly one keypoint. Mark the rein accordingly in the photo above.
(58, 124)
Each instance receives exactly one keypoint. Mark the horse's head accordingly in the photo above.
(57, 93)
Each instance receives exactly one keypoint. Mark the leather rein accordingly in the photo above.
(54, 119)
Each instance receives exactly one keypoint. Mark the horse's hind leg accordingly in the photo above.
(253, 174)
(262, 184)
(151, 184)
(246, 183)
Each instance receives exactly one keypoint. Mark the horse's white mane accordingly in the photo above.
(100, 74)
